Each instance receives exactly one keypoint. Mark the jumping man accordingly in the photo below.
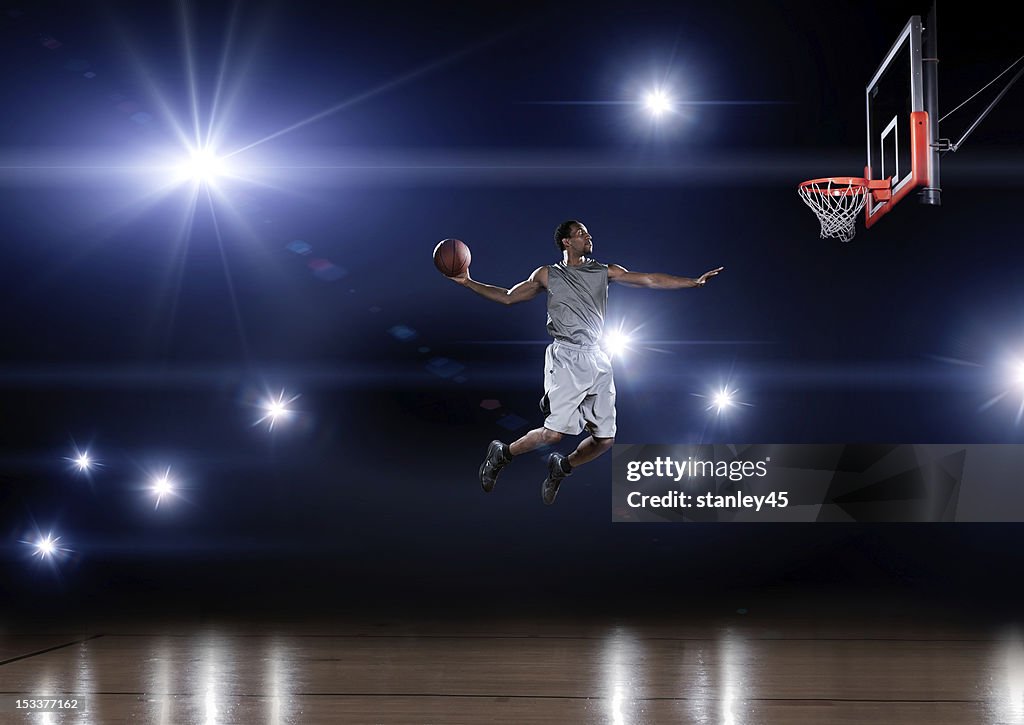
(579, 392)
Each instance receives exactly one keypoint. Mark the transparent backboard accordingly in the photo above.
(897, 121)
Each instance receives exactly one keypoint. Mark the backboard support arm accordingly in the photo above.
(944, 144)
(931, 194)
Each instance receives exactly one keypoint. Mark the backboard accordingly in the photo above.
(900, 122)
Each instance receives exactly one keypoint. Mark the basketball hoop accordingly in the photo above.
(838, 200)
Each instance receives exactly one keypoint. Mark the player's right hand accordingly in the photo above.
(461, 278)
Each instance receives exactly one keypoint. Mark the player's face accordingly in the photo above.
(580, 241)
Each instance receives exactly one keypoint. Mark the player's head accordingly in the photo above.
(573, 233)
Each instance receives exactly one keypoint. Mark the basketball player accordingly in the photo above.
(579, 392)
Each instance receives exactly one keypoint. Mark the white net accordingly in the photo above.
(837, 202)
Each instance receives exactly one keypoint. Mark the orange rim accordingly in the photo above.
(843, 186)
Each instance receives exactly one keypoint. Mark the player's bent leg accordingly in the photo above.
(589, 449)
(557, 471)
(560, 466)
(535, 439)
(498, 456)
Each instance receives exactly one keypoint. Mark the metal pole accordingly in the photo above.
(984, 113)
(932, 194)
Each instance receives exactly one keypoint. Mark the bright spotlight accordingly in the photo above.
(276, 410)
(657, 103)
(1012, 384)
(616, 342)
(162, 486)
(46, 547)
(722, 399)
(203, 166)
(81, 461)
(1017, 374)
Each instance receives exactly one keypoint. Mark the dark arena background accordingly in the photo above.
(243, 413)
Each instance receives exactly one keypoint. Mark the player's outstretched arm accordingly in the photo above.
(525, 290)
(657, 280)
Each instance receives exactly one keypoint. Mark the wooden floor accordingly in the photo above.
(743, 668)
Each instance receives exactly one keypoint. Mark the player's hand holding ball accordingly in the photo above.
(703, 279)
(452, 258)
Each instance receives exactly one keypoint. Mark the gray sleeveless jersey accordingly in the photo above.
(577, 298)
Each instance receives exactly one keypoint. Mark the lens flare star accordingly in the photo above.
(46, 547)
(1012, 384)
(617, 342)
(162, 486)
(657, 103)
(277, 410)
(723, 399)
(203, 166)
(82, 462)
(1017, 375)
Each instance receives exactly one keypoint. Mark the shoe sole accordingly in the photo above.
(483, 483)
(480, 475)
(543, 493)
(544, 486)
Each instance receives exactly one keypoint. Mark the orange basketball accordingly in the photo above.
(452, 257)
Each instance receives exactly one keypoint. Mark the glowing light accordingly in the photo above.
(722, 399)
(616, 342)
(276, 410)
(203, 166)
(1017, 375)
(1012, 384)
(657, 102)
(1008, 662)
(619, 651)
(162, 486)
(617, 698)
(46, 547)
(81, 461)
